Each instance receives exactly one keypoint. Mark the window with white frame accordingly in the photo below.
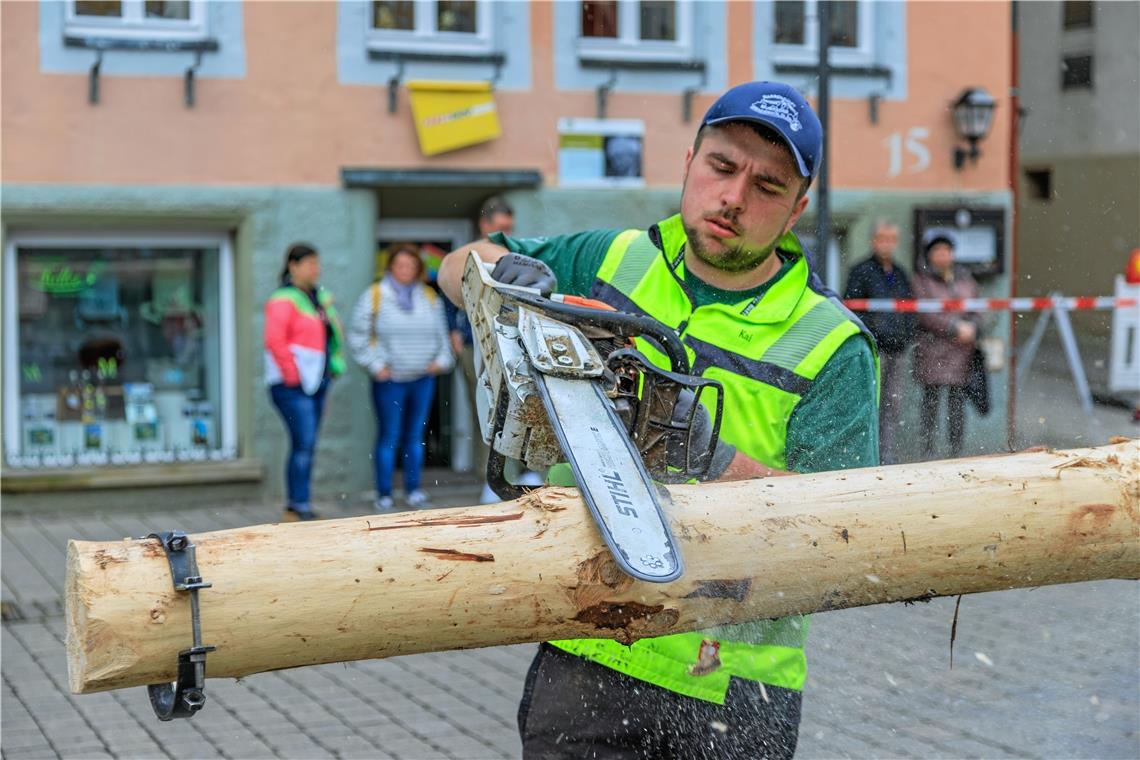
(635, 30)
(795, 31)
(173, 20)
(118, 350)
(430, 26)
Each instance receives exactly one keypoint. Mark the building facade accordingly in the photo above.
(158, 158)
(1079, 194)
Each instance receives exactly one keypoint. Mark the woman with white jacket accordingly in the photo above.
(399, 336)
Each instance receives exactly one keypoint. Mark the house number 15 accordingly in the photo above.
(913, 144)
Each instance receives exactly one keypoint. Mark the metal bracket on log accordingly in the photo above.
(186, 695)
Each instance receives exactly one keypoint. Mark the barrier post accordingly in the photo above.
(1060, 313)
(1124, 354)
(1027, 353)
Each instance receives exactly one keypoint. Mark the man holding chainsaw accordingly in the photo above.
(799, 374)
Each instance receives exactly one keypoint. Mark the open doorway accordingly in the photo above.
(448, 433)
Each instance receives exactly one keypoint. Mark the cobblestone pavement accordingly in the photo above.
(1050, 672)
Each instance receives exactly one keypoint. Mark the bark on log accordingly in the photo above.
(294, 594)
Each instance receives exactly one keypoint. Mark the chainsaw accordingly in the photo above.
(560, 380)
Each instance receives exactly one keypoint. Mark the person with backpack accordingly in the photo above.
(399, 335)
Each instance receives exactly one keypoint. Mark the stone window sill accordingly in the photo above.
(130, 476)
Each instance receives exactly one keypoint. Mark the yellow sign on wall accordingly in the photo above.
(452, 115)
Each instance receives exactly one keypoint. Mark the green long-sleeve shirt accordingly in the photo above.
(836, 424)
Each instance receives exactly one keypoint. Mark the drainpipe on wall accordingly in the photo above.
(823, 218)
(1014, 182)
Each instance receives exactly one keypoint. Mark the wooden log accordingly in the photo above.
(294, 594)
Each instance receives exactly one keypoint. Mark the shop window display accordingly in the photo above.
(119, 356)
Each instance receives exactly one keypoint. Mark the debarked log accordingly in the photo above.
(294, 594)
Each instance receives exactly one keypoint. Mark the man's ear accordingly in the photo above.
(797, 211)
(688, 161)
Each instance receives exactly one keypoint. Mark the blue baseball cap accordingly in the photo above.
(780, 107)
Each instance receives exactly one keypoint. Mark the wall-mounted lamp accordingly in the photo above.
(973, 116)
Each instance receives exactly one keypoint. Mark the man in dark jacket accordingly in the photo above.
(880, 276)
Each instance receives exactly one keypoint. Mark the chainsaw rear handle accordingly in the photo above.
(653, 397)
(572, 309)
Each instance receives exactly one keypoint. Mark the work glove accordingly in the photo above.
(524, 271)
(701, 437)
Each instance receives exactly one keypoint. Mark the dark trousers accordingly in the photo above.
(890, 399)
(479, 450)
(302, 414)
(955, 415)
(402, 410)
(574, 708)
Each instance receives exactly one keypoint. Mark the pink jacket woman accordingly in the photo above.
(303, 340)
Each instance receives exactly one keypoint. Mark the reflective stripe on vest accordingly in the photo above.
(766, 352)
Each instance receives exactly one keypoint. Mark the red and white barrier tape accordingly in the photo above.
(934, 305)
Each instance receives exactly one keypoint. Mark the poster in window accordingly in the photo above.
(979, 231)
(600, 152)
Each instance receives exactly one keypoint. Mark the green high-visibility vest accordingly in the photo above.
(766, 351)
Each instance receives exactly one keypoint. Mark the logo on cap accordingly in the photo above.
(779, 107)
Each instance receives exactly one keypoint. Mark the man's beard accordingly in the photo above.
(734, 259)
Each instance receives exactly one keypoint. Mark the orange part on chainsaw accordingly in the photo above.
(588, 303)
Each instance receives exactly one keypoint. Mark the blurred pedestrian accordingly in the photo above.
(880, 276)
(303, 353)
(399, 336)
(495, 215)
(945, 339)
